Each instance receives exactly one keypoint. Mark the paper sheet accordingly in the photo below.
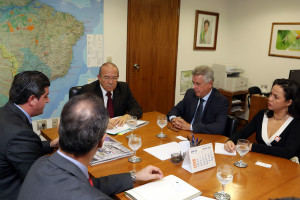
(202, 198)
(219, 149)
(164, 151)
(263, 164)
(181, 138)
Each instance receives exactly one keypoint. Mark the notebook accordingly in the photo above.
(170, 187)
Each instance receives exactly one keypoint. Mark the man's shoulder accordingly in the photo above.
(190, 92)
(218, 95)
(91, 87)
(122, 86)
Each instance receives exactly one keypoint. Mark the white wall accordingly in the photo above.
(187, 58)
(243, 37)
(115, 33)
(250, 24)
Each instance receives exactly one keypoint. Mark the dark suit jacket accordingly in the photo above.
(19, 148)
(214, 115)
(123, 100)
(55, 177)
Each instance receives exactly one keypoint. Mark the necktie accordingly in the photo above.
(199, 112)
(110, 106)
(91, 182)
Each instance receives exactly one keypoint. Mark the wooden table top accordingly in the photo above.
(253, 182)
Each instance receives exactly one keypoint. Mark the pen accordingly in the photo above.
(199, 142)
(188, 138)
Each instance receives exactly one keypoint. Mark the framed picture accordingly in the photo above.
(186, 81)
(285, 40)
(206, 30)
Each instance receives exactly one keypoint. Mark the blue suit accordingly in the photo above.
(214, 115)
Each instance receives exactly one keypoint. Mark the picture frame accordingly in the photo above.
(206, 30)
(186, 81)
(285, 40)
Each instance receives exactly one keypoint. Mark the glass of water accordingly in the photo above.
(131, 123)
(224, 176)
(242, 147)
(135, 142)
(161, 122)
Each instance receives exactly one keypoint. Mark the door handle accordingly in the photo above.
(136, 66)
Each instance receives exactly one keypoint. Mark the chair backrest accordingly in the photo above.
(253, 90)
(73, 91)
(231, 125)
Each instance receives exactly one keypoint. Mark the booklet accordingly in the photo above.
(125, 129)
(111, 150)
(170, 187)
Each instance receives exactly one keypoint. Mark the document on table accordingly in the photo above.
(164, 151)
(170, 187)
(125, 129)
(219, 149)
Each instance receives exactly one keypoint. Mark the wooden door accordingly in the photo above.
(152, 49)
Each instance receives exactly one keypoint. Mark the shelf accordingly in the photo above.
(237, 101)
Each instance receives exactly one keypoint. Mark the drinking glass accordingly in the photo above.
(242, 147)
(161, 122)
(135, 142)
(131, 123)
(224, 176)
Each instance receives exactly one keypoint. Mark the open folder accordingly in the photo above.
(125, 129)
(170, 187)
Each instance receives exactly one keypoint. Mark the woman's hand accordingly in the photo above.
(229, 146)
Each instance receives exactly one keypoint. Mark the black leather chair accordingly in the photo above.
(231, 125)
(253, 90)
(73, 91)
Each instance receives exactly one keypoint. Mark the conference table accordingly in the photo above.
(252, 182)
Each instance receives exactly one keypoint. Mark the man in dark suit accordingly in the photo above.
(64, 174)
(203, 108)
(116, 95)
(19, 145)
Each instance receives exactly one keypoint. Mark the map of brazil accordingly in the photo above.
(48, 36)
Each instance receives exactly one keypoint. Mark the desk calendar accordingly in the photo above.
(199, 158)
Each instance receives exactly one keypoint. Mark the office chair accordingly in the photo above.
(73, 91)
(253, 90)
(231, 125)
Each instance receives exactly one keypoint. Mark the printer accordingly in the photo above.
(227, 77)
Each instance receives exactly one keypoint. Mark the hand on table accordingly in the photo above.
(229, 146)
(111, 124)
(120, 121)
(180, 123)
(149, 173)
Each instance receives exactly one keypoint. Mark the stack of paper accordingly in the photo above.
(170, 187)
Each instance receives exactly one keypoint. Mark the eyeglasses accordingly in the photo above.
(107, 78)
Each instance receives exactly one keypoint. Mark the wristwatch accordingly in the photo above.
(132, 174)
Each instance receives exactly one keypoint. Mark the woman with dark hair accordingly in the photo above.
(278, 127)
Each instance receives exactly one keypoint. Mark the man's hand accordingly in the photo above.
(120, 121)
(112, 123)
(54, 143)
(229, 146)
(149, 173)
(180, 123)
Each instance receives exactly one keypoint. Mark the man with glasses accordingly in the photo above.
(116, 95)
